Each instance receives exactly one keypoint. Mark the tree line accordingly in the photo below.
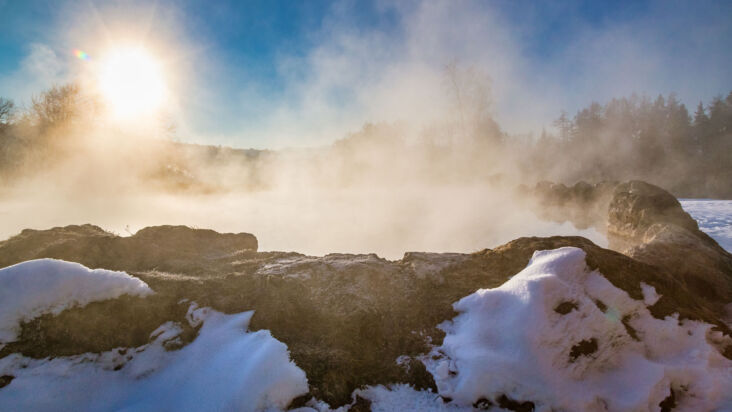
(641, 138)
(636, 137)
(30, 135)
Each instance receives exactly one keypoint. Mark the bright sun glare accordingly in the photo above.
(131, 81)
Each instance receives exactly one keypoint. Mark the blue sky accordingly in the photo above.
(287, 73)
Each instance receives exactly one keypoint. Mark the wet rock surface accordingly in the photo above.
(347, 318)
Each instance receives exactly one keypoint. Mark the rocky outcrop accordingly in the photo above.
(347, 319)
(637, 209)
(648, 224)
(164, 247)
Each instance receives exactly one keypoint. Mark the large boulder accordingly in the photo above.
(638, 208)
(648, 224)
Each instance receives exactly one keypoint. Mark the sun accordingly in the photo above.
(131, 82)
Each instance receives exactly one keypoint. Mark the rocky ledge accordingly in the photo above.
(347, 319)
(646, 223)
(164, 247)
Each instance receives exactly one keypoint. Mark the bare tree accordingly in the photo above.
(7, 109)
(57, 105)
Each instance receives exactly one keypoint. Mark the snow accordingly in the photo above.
(392, 398)
(714, 218)
(556, 334)
(650, 296)
(32, 288)
(582, 360)
(225, 368)
(401, 397)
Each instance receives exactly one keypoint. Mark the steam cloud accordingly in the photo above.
(429, 174)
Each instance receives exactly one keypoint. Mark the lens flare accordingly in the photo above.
(80, 54)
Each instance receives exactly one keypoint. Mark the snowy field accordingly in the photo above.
(714, 217)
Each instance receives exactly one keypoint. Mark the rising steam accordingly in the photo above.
(406, 144)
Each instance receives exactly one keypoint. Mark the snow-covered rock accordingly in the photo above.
(30, 289)
(357, 321)
(225, 368)
(562, 337)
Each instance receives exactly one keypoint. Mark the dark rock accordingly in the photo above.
(360, 405)
(512, 405)
(583, 348)
(565, 307)
(5, 380)
(164, 247)
(648, 224)
(482, 404)
(669, 403)
(628, 328)
(636, 207)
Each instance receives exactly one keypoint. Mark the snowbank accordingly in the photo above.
(224, 369)
(563, 337)
(35, 287)
(714, 218)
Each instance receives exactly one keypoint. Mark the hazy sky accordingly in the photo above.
(287, 73)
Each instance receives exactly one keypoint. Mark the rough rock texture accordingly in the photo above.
(163, 247)
(647, 223)
(347, 318)
(638, 206)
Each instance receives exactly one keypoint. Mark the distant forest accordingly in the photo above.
(657, 140)
(640, 138)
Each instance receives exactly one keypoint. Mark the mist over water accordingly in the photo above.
(314, 222)
(371, 196)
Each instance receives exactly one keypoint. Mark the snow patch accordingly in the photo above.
(714, 218)
(32, 288)
(224, 368)
(391, 398)
(650, 296)
(564, 338)
(401, 397)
